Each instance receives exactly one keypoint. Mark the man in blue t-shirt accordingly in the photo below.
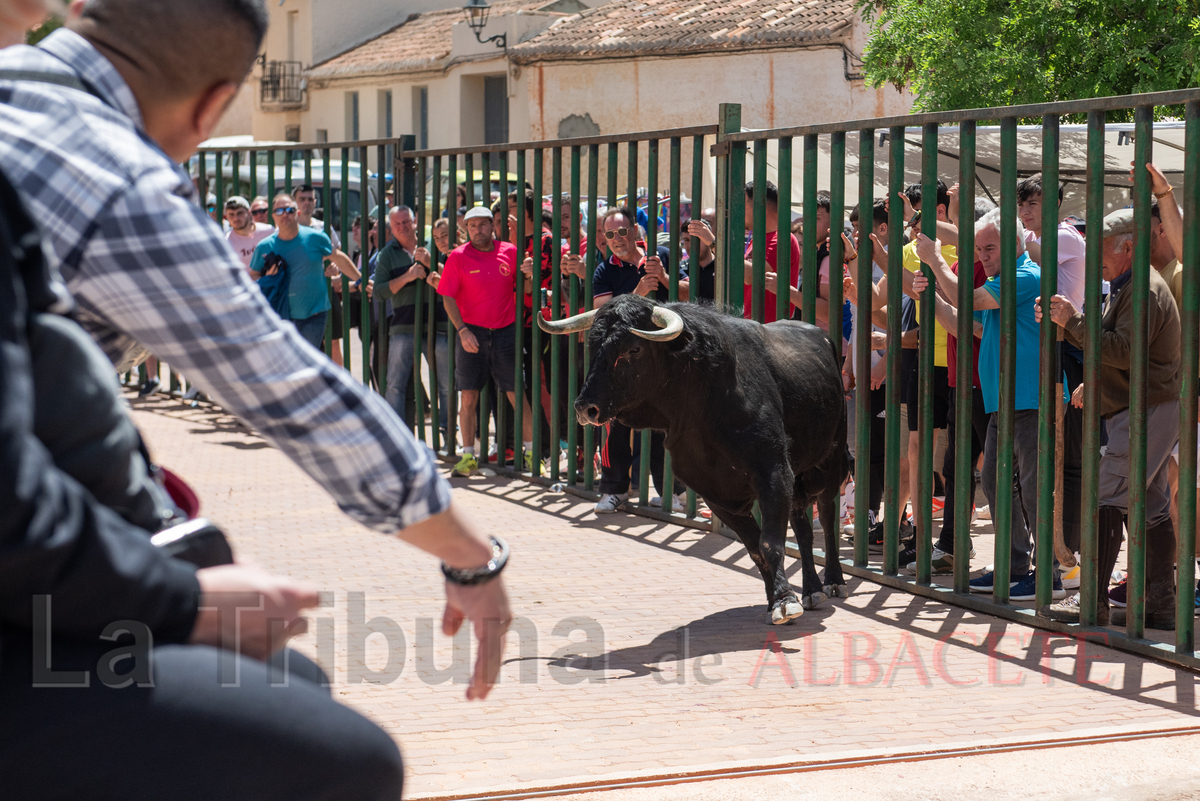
(630, 267)
(1025, 416)
(306, 252)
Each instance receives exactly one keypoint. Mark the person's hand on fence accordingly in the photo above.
(527, 268)
(928, 249)
(920, 282)
(1061, 310)
(647, 286)
(771, 282)
(1159, 184)
(700, 230)
(909, 211)
(433, 279)
(878, 373)
(1077, 397)
(849, 289)
(247, 610)
(573, 264)
(331, 270)
(467, 338)
(417, 272)
(952, 209)
(370, 289)
(421, 257)
(654, 267)
(486, 606)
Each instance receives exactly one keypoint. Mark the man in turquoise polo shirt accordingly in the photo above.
(1028, 276)
(305, 250)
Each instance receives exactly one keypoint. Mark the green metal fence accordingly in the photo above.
(613, 169)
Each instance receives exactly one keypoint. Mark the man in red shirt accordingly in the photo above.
(772, 245)
(479, 285)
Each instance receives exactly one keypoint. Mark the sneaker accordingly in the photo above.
(610, 503)
(984, 582)
(1026, 588)
(908, 558)
(1064, 612)
(1070, 579)
(149, 388)
(939, 505)
(192, 393)
(677, 504)
(1117, 595)
(875, 538)
(941, 562)
(467, 465)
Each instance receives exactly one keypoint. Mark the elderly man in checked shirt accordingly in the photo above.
(94, 122)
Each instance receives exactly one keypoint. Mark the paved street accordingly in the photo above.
(641, 648)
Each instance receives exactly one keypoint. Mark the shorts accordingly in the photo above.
(941, 399)
(355, 312)
(496, 357)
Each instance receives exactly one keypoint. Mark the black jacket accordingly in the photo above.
(55, 538)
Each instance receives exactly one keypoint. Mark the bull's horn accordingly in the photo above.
(567, 325)
(671, 322)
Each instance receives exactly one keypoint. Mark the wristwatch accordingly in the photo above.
(467, 577)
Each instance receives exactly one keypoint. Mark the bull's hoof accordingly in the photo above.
(837, 590)
(786, 612)
(814, 600)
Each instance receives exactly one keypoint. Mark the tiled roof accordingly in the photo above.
(420, 42)
(687, 26)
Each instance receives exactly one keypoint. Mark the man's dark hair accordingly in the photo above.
(182, 48)
(914, 195)
(529, 203)
(304, 188)
(547, 219)
(1027, 188)
(824, 200)
(772, 193)
(879, 215)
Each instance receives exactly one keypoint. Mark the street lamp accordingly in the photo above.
(477, 15)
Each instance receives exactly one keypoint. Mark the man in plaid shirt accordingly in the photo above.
(93, 125)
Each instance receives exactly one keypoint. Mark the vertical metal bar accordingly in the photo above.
(572, 341)
(1189, 352)
(589, 432)
(783, 249)
(964, 467)
(220, 186)
(344, 196)
(697, 214)
(1048, 399)
(327, 217)
(253, 159)
(270, 193)
(556, 376)
(535, 391)
(891, 494)
(381, 333)
(1002, 515)
(732, 226)
(235, 174)
(651, 249)
(364, 239)
(925, 355)
(418, 390)
(432, 190)
(452, 334)
(810, 279)
(837, 249)
(1138, 358)
(519, 361)
(287, 171)
(202, 181)
(672, 292)
(497, 165)
(862, 344)
(1090, 465)
(758, 253)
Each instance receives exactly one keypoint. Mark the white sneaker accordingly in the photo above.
(610, 503)
(677, 504)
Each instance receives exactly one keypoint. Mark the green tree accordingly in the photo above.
(956, 54)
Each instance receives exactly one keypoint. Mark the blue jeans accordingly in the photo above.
(400, 368)
(312, 328)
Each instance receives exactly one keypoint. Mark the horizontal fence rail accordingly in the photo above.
(671, 177)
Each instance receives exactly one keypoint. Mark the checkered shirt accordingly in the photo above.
(147, 267)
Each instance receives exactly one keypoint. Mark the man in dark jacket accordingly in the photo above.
(1162, 425)
(402, 268)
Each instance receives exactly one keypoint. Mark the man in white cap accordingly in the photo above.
(244, 233)
(479, 285)
(1162, 425)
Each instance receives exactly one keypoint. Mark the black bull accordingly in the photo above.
(750, 412)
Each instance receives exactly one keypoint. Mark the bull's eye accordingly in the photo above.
(634, 351)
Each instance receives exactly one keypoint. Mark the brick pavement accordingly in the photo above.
(641, 647)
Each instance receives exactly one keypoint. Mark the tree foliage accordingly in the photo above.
(956, 54)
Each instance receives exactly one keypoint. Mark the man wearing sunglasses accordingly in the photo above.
(305, 250)
(630, 267)
(244, 232)
(260, 210)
